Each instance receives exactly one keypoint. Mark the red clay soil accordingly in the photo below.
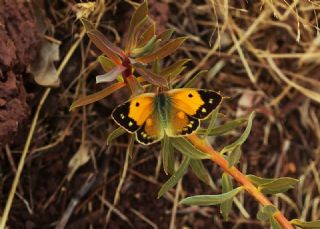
(18, 39)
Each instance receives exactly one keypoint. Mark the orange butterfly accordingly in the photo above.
(175, 113)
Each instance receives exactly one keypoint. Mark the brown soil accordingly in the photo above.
(18, 39)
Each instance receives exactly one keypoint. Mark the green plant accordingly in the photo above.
(138, 67)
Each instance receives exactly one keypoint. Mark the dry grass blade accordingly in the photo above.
(307, 92)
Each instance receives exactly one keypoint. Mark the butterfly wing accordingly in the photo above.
(180, 123)
(132, 114)
(197, 103)
(151, 130)
(187, 107)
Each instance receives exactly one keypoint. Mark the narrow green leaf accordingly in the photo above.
(167, 154)
(242, 138)
(266, 212)
(166, 35)
(108, 48)
(97, 96)
(173, 180)
(205, 200)
(137, 17)
(220, 130)
(225, 207)
(163, 51)
(106, 63)
(174, 69)
(213, 119)
(149, 47)
(201, 172)
(191, 82)
(186, 148)
(151, 77)
(115, 134)
(234, 156)
(259, 180)
(306, 225)
(273, 185)
(279, 185)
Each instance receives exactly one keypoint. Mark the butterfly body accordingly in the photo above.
(175, 113)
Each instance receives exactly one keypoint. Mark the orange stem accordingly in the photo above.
(238, 176)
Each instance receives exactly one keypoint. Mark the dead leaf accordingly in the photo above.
(42, 68)
(80, 158)
(247, 102)
(84, 9)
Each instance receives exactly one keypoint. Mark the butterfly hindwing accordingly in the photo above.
(132, 114)
(151, 130)
(180, 123)
(197, 103)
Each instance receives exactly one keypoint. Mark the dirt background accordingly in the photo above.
(285, 138)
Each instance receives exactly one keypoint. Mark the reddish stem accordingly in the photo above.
(238, 176)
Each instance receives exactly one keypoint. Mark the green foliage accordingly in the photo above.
(234, 156)
(146, 49)
(186, 148)
(273, 185)
(223, 129)
(167, 155)
(212, 119)
(115, 134)
(225, 207)
(205, 200)
(174, 179)
(306, 225)
(166, 35)
(106, 63)
(267, 214)
(173, 70)
(201, 172)
(242, 139)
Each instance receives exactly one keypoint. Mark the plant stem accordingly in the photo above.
(22, 160)
(238, 176)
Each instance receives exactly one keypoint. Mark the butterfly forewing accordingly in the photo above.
(132, 114)
(196, 103)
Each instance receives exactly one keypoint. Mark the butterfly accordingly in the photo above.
(175, 112)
